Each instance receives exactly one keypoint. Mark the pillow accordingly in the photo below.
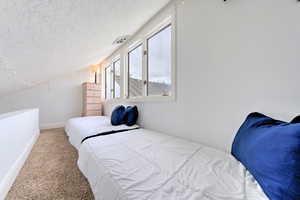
(296, 120)
(270, 150)
(117, 116)
(131, 115)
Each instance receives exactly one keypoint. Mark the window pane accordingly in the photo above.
(159, 63)
(117, 79)
(108, 93)
(135, 72)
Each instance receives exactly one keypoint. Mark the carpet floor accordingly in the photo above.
(51, 172)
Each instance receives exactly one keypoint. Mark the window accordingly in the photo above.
(108, 83)
(147, 63)
(113, 80)
(117, 78)
(135, 65)
(159, 62)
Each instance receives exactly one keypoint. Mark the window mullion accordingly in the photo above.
(123, 75)
(112, 81)
(105, 79)
(145, 67)
(126, 75)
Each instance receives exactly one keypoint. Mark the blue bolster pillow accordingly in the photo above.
(117, 116)
(270, 150)
(131, 115)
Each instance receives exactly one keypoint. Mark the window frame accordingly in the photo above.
(129, 46)
(112, 63)
(133, 47)
(155, 32)
(111, 89)
(168, 21)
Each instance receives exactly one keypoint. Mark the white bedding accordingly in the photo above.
(79, 128)
(142, 164)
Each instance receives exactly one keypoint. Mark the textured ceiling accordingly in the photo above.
(42, 39)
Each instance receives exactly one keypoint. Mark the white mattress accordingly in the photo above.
(142, 164)
(79, 128)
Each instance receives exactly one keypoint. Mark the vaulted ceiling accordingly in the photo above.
(42, 39)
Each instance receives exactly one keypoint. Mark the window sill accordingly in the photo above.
(142, 99)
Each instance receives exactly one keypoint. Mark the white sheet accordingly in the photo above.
(79, 128)
(142, 164)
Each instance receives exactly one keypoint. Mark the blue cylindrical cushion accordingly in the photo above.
(117, 116)
(131, 115)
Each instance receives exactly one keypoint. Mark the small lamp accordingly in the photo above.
(95, 70)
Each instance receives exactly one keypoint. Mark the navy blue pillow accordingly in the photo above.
(270, 150)
(117, 116)
(131, 115)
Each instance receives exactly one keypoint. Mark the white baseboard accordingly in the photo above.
(12, 174)
(52, 125)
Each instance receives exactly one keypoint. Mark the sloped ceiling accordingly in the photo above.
(42, 39)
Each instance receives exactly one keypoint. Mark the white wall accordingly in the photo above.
(19, 131)
(58, 99)
(232, 58)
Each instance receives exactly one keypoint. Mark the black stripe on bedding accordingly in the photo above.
(107, 133)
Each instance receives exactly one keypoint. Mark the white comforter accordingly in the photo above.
(142, 164)
(79, 128)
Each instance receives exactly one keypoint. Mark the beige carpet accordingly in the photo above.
(51, 172)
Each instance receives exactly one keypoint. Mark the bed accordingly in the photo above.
(142, 164)
(81, 127)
